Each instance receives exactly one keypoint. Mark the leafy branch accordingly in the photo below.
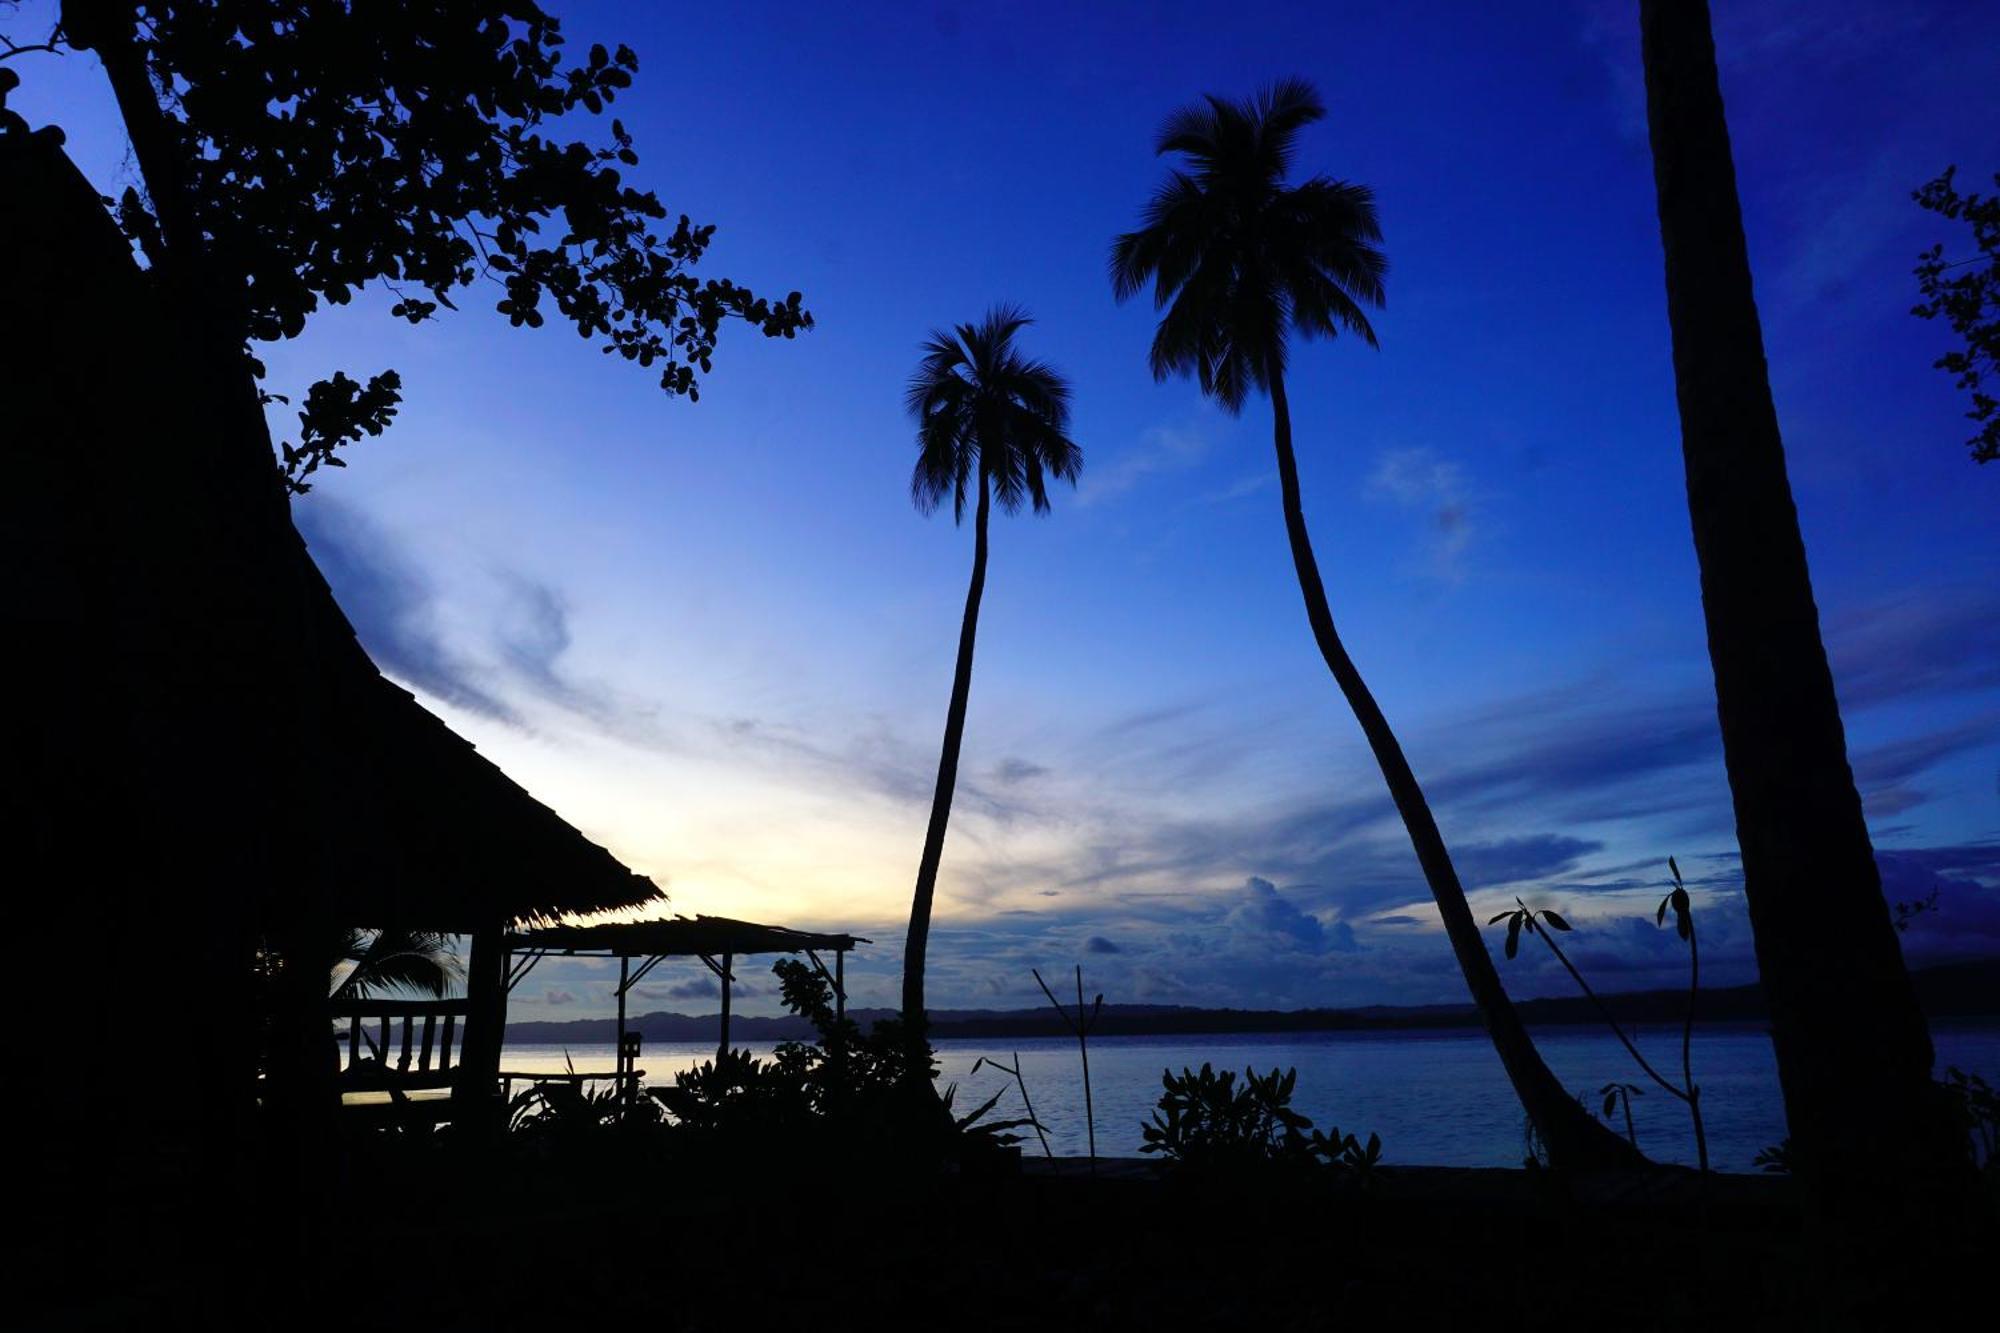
(1541, 923)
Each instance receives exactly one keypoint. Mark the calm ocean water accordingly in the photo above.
(1436, 1098)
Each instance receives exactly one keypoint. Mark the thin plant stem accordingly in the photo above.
(1083, 1046)
(1689, 1094)
(1022, 1084)
(1687, 1043)
(1602, 1011)
(1081, 1027)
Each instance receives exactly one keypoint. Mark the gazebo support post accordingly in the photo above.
(840, 985)
(728, 962)
(485, 1029)
(624, 981)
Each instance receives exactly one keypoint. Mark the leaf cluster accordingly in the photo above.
(1968, 300)
(1522, 917)
(1208, 1120)
(319, 147)
(1976, 1106)
(1613, 1093)
(1678, 903)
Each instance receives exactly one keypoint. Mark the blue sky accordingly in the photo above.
(717, 637)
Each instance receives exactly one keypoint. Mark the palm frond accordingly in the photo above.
(416, 961)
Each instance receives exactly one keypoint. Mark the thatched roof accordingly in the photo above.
(680, 937)
(198, 671)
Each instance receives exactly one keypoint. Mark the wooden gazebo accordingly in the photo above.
(716, 940)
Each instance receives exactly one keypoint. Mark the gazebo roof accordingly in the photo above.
(677, 937)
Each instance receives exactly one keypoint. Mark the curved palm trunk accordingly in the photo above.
(1854, 1056)
(1574, 1139)
(947, 781)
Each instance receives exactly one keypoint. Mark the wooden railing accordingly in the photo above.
(398, 1045)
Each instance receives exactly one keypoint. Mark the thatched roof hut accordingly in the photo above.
(152, 560)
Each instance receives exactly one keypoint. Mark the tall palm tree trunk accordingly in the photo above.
(1854, 1055)
(919, 935)
(1575, 1141)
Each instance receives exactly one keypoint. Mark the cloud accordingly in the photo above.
(558, 997)
(396, 609)
(1010, 771)
(1513, 860)
(1098, 944)
(1267, 912)
(1417, 479)
(1241, 487)
(392, 605)
(1161, 449)
(1938, 641)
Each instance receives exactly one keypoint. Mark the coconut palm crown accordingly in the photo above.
(985, 410)
(1236, 257)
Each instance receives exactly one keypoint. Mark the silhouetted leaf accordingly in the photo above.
(1555, 920)
(1514, 936)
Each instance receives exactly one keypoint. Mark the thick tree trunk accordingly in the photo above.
(918, 939)
(1854, 1055)
(1574, 1139)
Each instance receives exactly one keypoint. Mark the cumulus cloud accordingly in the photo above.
(1098, 944)
(1266, 911)
(558, 997)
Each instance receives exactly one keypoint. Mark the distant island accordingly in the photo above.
(1955, 990)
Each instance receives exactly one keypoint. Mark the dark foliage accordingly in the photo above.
(844, 1096)
(984, 411)
(1207, 1120)
(1237, 259)
(301, 151)
(1978, 1109)
(1969, 300)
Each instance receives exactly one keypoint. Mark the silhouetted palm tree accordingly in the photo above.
(1854, 1055)
(1238, 261)
(421, 961)
(992, 420)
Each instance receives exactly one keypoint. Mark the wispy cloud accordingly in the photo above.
(392, 603)
(516, 666)
(1161, 450)
(1417, 479)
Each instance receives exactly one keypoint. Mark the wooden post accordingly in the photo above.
(472, 1092)
(839, 985)
(728, 961)
(624, 980)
